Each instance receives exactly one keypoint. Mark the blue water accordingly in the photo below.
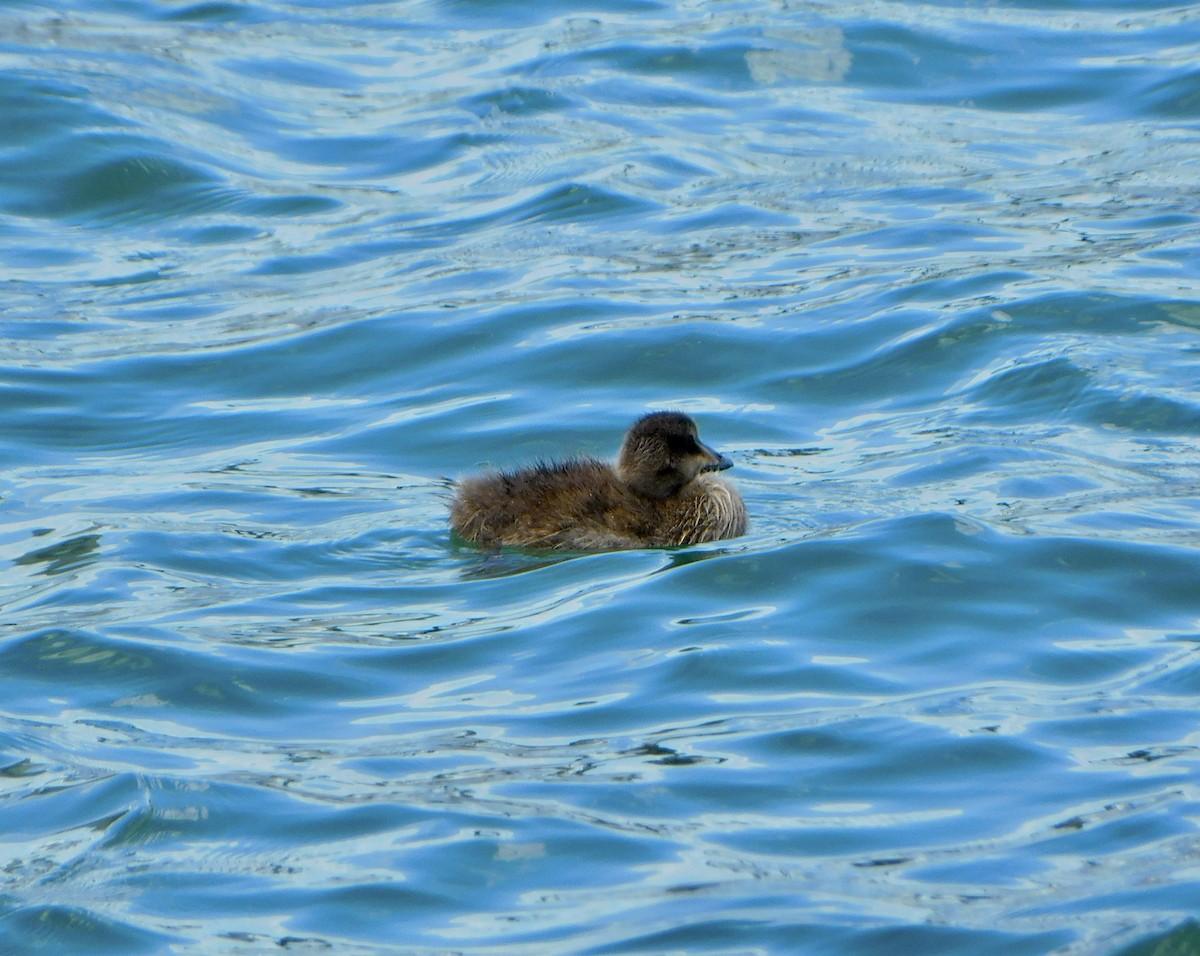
(274, 274)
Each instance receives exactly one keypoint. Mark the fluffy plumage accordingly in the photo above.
(662, 492)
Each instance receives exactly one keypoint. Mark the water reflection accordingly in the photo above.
(69, 555)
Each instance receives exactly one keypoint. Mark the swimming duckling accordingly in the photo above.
(661, 493)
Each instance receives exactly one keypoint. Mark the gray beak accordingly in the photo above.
(719, 461)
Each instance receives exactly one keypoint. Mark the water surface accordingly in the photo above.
(275, 273)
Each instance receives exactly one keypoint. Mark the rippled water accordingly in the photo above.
(274, 274)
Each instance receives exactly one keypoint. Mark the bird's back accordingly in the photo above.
(582, 505)
(571, 505)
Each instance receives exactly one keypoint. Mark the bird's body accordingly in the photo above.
(661, 493)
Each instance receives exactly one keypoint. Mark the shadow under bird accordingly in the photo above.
(662, 492)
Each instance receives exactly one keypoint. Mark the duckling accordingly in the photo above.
(661, 493)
